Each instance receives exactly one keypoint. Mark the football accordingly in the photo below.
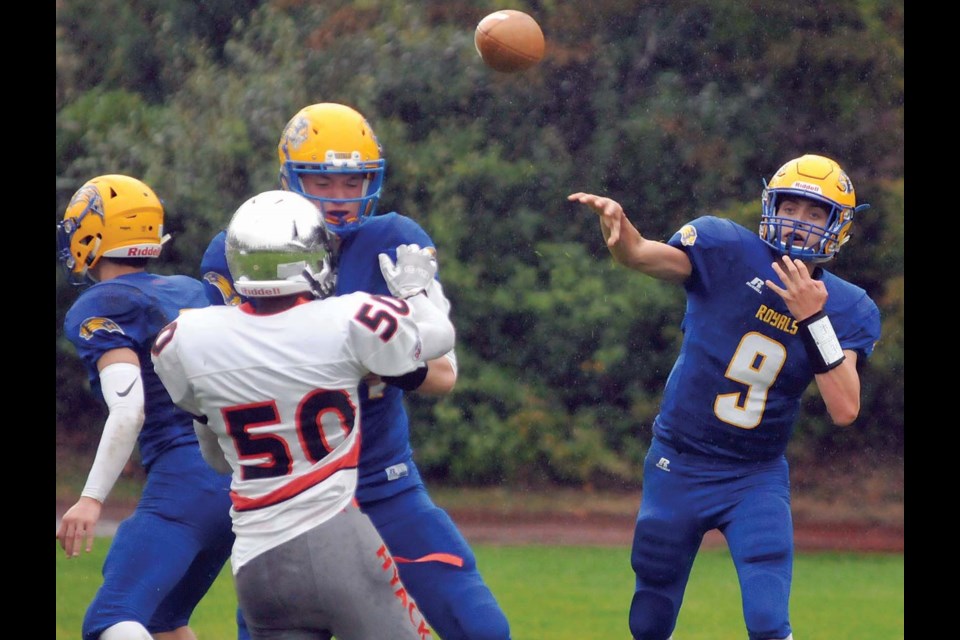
(509, 41)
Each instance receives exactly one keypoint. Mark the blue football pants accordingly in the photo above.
(684, 496)
(437, 567)
(168, 553)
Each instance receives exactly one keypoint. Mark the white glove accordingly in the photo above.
(413, 272)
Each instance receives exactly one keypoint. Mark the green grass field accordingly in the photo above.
(582, 593)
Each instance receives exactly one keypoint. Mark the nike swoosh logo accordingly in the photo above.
(126, 391)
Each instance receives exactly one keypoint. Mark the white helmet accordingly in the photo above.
(277, 244)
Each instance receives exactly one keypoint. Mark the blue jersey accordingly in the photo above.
(129, 311)
(386, 459)
(735, 389)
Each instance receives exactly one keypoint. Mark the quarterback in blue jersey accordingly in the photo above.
(329, 153)
(763, 320)
(168, 553)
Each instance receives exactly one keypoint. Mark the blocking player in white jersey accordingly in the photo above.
(273, 384)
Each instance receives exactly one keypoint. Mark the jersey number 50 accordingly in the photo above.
(316, 436)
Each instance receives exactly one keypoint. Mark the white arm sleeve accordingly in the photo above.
(435, 292)
(122, 389)
(438, 297)
(452, 357)
(436, 331)
(210, 448)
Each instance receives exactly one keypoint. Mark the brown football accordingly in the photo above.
(509, 41)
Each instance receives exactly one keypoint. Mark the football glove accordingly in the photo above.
(413, 271)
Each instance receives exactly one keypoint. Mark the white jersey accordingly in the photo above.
(279, 391)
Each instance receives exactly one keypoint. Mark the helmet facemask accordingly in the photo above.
(339, 218)
(820, 243)
(76, 268)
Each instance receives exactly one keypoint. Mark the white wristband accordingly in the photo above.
(826, 340)
(820, 340)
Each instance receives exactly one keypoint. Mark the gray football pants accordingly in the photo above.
(336, 579)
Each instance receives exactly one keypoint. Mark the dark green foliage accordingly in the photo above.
(677, 109)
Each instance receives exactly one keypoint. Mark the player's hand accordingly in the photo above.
(412, 273)
(610, 212)
(77, 526)
(804, 295)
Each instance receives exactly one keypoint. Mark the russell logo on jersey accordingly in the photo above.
(756, 284)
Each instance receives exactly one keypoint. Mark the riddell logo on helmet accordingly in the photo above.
(806, 186)
(143, 252)
(261, 291)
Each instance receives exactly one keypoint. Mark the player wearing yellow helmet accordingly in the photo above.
(165, 556)
(764, 319)
(821, 182)
(329, 153)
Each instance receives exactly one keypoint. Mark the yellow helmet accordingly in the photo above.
(818, 178)
(329, 138)
(111, 216)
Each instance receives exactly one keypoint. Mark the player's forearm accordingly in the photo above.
(441, 377)
(840, 390)
(626, 249)
(123, 391)
(653, 258)
(662, 261)
(441, 372)
(436, 331)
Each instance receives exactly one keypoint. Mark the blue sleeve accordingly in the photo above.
(215, 274)
(854, 315)
(359, 268)
(397, 229)
(404, 230)
(713, 246)
(867, 332)
(107, 316)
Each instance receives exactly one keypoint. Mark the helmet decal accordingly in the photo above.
(230, 297)
(295, 134)
(844, 184)
(91, 195)
(688, 235)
